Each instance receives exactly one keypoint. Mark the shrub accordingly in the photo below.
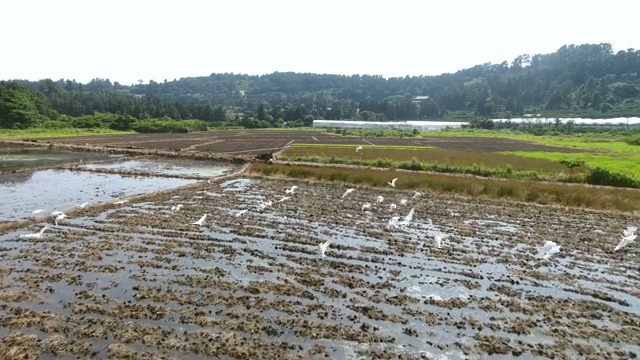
(602, 176)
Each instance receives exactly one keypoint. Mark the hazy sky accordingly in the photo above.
(126, 41)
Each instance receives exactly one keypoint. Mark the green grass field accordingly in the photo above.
(433, 159)
(39, 133)
(602, 150)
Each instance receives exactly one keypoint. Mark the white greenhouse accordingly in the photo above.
(400, 125)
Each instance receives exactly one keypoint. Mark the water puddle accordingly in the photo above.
(51, 190)
(174, 167)
(14, 159)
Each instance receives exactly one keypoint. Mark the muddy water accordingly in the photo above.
(52, 190)
(14, 158)
(182, 167)
(141, 279)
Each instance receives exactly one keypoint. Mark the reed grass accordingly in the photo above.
(574, 195)
(439, 160)
(427, 156)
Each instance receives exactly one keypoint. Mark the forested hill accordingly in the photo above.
(577, 80)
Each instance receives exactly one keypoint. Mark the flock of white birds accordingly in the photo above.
(549, 249)
(56, 217)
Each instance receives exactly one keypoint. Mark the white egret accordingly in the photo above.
(626, 240)
(549, 249)
(393, 222)
(392, 183)
(380, 199)
(416, 194)
(59, 218)
(323, 247)
(438, 239)
(264, 205)
(83, 205)
(366, 206)
(359, 149)
(200, 222)
(407, 219)
(396, 222)
(37, 235)
(630, 230)
(392, 207)
(347, 192)
(291, 190)
(38, 211)
(176, 207)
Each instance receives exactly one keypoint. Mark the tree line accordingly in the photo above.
(587, 80)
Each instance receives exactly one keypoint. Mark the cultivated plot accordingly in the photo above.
(259, 141)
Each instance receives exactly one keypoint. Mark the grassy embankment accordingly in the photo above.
(527, 191)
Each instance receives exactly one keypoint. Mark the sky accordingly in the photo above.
(128, 41)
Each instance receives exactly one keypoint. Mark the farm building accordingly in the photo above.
(401, 125)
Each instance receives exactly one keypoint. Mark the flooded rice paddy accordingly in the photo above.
(51, 190)
(141, 281)
(18, 158)
(157, 166)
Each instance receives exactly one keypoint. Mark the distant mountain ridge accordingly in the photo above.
(577, 80)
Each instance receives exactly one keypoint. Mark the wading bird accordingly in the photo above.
(392, 183)
(176, 207)
(59, 218)
(629, 236)
(264, 205)
(37, 235)
(200, 222)
(347, 192)
(438, 239)
(549, 249)
(359, 149)
(396, 222)
(291, 190)
(380, 199)
(323, 247)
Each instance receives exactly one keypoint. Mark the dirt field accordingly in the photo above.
(139, 282)
(244, 142)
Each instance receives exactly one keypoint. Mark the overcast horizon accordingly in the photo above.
(143, 40)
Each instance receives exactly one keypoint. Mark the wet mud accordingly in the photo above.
(141, 281)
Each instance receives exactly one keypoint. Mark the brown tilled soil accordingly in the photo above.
(139, 281)
(247, 142)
